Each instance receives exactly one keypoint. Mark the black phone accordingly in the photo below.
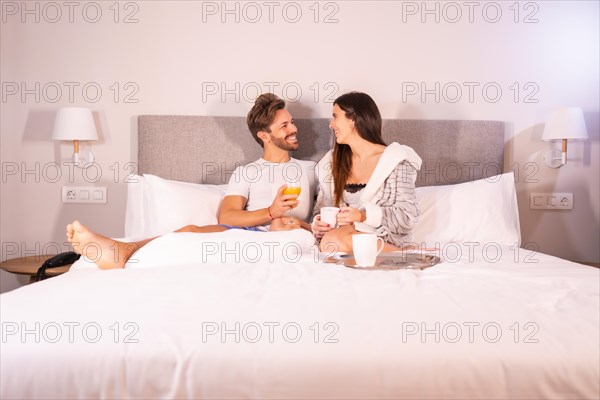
(68, 257)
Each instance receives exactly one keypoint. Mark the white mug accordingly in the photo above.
(329, 215)
(366, 248)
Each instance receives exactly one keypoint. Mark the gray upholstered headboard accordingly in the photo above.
(204, 149)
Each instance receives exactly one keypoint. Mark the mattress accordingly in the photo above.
(261, 315)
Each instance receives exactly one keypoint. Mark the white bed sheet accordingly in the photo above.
(528, 323)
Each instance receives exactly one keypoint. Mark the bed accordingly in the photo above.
(262, 315)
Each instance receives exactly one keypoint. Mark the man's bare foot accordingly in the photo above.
(105, 252)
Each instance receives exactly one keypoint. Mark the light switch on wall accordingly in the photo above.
(551, 201)
(84, 194)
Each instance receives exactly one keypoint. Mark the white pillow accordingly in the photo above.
(135, 213)
(170, 205)
(482, 211)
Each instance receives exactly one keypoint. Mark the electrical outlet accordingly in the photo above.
(551, 201)
(84, 194)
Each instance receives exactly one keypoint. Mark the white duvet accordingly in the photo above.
(271, 320)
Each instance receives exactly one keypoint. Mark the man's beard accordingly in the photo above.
(283, 145)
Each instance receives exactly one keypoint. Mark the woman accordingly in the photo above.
(372, 183)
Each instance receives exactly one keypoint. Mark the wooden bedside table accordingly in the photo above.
(30, 265)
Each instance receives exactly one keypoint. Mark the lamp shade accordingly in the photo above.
(565, 123)
(74, 123)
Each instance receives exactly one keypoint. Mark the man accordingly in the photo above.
(255, 198)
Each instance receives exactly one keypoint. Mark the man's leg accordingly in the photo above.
(108, 253)
(202, 229)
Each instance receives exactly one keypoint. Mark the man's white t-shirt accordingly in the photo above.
(259, 181)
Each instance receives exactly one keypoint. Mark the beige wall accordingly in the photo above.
(171, 58)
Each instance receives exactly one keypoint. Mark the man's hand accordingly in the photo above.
(285, 224)
(320, 228)
(282, 203)
(349, 215)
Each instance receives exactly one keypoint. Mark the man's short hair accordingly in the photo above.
(262, 114)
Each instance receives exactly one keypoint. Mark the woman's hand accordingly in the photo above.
(320, 228)
(349, 215)
(285, 224)
(282, 203)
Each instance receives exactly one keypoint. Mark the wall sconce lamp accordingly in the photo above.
(74, 123)
(563, 124)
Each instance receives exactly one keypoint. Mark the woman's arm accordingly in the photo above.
(398, 203)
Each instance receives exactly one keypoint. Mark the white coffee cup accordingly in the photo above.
(366, 248)
(329, 215)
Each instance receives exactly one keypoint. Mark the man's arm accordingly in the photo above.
(232, 210)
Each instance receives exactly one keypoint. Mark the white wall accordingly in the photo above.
(170, 57)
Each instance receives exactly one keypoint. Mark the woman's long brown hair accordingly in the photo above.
(361, 109)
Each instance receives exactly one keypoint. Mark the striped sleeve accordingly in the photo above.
(398, 205)
(322, 201)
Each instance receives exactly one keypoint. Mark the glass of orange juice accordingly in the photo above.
(293, 187)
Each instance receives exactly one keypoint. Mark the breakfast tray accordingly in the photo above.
(388, 261)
